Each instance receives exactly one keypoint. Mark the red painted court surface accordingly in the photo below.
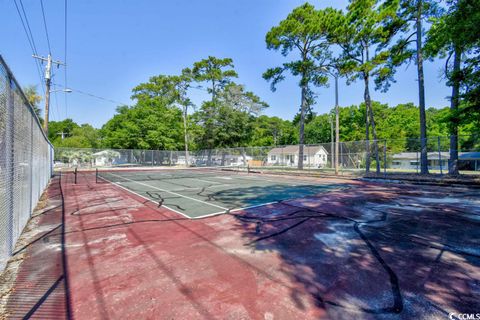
(361, 250)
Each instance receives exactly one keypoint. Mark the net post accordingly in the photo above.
(75, 174)
(385, 158)
(341, 159)
(417, 161)
(96, 175)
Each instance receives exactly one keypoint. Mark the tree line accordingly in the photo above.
(367, 42)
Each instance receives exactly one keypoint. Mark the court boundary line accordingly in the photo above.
(171, 192)
(187, 216)
(141, 196)
(226, 210)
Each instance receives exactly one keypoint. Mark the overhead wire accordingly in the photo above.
(31, 40)
(45, 25)
(94, 96)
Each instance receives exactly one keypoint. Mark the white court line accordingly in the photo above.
(203, 216)
(146, 198)
(206, 180)
(234, 210)
(200, 188)
(206, 215)
(254, 206)
(171, 192)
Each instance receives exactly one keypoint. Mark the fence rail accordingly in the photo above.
(393, 156)
(25, 161)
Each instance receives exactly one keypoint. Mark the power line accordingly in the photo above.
(46, 29)
(28, 25)
(31, 40)
(94, 96)
(32, 45)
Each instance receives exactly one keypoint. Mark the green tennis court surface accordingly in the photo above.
(200, 193)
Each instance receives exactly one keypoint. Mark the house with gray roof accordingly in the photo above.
(436, 160)
(313, 156)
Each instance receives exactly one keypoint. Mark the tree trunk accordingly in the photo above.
(453, 163)
(368, 104)
(421, 93)
(366, 96)
(303, 107)
(375, 138)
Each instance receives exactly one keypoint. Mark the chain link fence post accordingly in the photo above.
(439, 156)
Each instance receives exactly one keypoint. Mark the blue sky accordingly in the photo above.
(115, 45)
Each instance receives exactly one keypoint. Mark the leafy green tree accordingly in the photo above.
(84, 136)
(149, 124)
(216, 74)
(68, 134)
(302, 34)
(272, 131)
(59, 129)
(308, 117)
(361, 35)
(319, 129)
(233, 127)
(229, 119)
(34, 99)
(170, 91)
(235, 96)
(455, 35)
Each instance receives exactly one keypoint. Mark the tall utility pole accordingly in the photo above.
(63, 134)
(335, 74)
(331, 140)
(48, 79)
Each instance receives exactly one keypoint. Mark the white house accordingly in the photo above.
(225, 159)
(105, 158)
(411, 160)
(313, 156)
(237, 160)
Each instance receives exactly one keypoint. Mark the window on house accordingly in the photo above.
(414, 163)
(273, 158)
(304, 157)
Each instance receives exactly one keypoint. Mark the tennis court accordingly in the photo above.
(302, 247)
(203, 192)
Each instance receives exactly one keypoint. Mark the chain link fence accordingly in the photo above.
(386, 156)
(25, 161)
